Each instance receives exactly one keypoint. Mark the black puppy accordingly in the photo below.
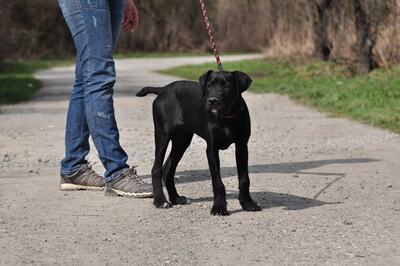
(213, 109)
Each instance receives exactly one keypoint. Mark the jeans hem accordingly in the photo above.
(67, 173)
(115, 175)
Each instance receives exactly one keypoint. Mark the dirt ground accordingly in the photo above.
(329, 188)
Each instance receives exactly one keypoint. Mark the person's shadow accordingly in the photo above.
(271, 199)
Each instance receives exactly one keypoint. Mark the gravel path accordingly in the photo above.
(330, 188)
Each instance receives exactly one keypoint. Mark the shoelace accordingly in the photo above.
(131, 174)
(91, 171)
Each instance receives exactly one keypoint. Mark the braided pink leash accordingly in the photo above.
(210, 35)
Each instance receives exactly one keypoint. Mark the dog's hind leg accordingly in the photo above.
(180, 142)
(245, 199)
(161, 140)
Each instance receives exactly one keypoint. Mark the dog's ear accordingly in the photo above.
(203, 81)
(243, 81)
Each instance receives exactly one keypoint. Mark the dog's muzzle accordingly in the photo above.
(213, 103)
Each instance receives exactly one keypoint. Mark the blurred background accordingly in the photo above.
(361, 33)
(339, 56)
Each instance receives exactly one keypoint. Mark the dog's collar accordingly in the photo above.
(233, 115)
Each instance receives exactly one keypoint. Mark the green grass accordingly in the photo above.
(17, 82)
(373, 99)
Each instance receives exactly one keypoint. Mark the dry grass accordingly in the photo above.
(363, 33)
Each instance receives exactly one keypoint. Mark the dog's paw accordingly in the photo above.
(162, 203)
(181, 200)
(219, 210)
(251, 206)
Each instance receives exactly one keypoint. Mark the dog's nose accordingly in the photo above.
(213, 101)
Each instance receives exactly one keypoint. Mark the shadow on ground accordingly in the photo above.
(279, 168)
(274, 200)
(271, 199)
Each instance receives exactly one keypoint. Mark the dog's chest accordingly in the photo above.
(223, 137)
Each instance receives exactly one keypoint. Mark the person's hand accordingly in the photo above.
(131, 16)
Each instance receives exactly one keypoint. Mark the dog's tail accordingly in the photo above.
(146, 90)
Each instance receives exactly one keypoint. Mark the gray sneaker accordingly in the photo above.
(83, 179)
(129, 184)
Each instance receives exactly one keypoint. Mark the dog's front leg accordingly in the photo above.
(219, 207)
(244, 181)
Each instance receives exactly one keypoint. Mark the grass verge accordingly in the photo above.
(373, 99)
(17, 82)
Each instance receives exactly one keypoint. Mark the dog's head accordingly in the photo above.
(222, 90)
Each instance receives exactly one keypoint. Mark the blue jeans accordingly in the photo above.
(95, 27)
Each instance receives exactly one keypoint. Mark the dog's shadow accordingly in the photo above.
(271, 199)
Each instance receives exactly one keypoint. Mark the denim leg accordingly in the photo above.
(116, 12)
(77, 131)
(90, 24)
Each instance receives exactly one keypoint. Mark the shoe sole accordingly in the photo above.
(73, 187)
(115, 193)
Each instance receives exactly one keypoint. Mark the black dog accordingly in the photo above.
(213, 109)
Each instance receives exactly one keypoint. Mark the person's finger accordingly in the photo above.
(125, 23)
(131, 18)
(134, 25)
(130, 27)
(135, 19)
(125, 18)
(127, 27)
(129, 22)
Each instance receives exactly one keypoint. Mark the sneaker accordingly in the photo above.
(129, 184)
(83, 179)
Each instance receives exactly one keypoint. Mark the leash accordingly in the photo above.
(210, 35)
